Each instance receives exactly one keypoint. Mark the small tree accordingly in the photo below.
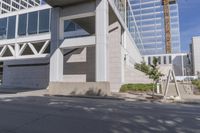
(151, 70)
(154, 72)
(142, 67)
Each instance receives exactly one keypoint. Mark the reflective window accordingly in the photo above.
(73, 28)
(70, 29)
(11, 27)
(22, 24)
(32, 22)
(69, 26)
(44, 21)
(3, 27)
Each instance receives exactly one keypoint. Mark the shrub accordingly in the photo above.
(151, 70)
(136, 88)
(143, 67)
(196, 83)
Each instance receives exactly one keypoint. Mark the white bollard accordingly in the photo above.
(158, 88)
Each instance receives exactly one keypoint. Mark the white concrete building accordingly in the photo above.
(180, 63)
(195, 55)
(76, 46)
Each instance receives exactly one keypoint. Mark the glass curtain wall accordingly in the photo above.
(128, 17)
(133, 27)
(150, 21)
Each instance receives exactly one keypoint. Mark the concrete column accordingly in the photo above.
(17, 47)
(182, 66)
(56, 59)
(101, 40)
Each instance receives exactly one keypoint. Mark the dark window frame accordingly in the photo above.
(11, 30)
(164, 59)
(47, 23)
(33, 21)
(25, 23)
(4, 32)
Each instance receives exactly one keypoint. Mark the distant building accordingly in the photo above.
(195, 55)
(180, 63)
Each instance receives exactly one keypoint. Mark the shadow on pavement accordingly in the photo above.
(81, 115)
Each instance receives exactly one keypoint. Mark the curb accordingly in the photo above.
(89, 97)
(181, 101)
(106, 98)
(188, 102)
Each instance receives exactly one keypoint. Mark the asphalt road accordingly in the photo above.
(81, 115)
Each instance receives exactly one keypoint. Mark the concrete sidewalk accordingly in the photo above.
(191, 99)
(44, 92)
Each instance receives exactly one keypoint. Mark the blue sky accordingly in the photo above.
(189, 11)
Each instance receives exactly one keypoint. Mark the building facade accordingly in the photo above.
(25, 46)
(74, 44)
(195, 55)
(149, 17)
(180, 63)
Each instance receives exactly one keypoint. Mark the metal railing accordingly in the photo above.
(121, 8)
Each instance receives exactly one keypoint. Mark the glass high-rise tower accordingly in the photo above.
(7, 6)
(149, 17)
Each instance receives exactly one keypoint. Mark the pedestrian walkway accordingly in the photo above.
(186, 96)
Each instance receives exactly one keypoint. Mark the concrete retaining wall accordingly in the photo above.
(89, 88)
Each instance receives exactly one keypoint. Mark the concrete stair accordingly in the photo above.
(186, 91)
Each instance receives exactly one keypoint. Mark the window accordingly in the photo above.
(165, 60)
(79, 27)
(149, 60)
(159, 60)
(11, 27)
(69, 26)
(32, 22)
(22, 24)
(3, 28)
(44, 21)
(170, 60)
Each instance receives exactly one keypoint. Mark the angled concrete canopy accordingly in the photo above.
(61, 3)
